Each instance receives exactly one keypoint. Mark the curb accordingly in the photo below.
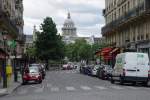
(8, 92)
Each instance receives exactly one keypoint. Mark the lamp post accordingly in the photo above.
(15, 69)
(4, 63)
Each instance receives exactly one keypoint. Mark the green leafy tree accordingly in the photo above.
(80, 50)
(49, 45)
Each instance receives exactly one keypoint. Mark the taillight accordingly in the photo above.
(124, 72)
(149, 73)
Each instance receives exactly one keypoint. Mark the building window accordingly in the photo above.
(142, 37)
(147, 36)
(138, 37)
(128, 5)
(133, 39)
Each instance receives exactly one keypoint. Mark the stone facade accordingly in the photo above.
(127, 24)
(11, 22)
(11, 35)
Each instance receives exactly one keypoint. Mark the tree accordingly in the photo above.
(49, 45)
(78, 51)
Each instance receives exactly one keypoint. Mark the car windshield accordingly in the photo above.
(97, 66)
(33, 70)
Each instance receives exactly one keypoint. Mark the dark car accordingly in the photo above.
(101, 72)
(87, 69)
(108, 71)
(104, 72)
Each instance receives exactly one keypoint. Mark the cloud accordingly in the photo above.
(87, 14)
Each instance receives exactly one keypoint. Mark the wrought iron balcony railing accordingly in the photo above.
(10, 24)
(138, 11)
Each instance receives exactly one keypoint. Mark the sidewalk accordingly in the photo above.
(11, 86)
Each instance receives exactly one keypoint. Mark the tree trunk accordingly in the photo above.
(47, 64)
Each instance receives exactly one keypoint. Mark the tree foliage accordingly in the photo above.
(80, 50)
(49, 45)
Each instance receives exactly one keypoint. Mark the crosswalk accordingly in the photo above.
(66, 72)
(83, 88)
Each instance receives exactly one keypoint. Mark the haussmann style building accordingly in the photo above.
(127, 24)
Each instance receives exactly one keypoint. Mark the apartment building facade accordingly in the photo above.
(11, 23)
(11, 32)
(127, 24)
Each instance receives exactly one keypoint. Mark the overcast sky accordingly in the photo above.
(86, 14)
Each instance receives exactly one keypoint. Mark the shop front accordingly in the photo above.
(144, 47)
(3, 56)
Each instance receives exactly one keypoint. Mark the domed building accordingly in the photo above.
(69, 31)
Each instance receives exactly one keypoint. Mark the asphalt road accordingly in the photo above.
(71, 85)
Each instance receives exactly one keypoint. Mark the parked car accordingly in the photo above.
(108, 71)
(67, 67)
(101, 72)
(41, 68)
(131, 67)
(82, 69)
(95, 70)
(32, 74)
(87, 69)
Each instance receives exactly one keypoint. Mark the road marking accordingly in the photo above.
(85, 88)
(49, 85)
(22, 92)
(39, 90)
(70, 88)
(117, 87)
(3, 91)
(54, 89)
(100, 87)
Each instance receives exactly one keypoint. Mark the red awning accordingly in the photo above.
(106, 51)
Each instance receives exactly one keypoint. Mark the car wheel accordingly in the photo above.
(112, 80)
(40, 81)
(103, 76)
(133, 83)
(121, 81)
(24, 82)
(145, 83)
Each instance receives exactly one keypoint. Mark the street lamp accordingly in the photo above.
(4, 63)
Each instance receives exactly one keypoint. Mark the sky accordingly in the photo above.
(86, 14)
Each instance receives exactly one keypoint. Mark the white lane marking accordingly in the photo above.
(85, 88)
(22, 92)
(49, 85)
(69, 88)
(54, 89)
(100, 87)
(39, 90)
(3, 91)
(117, 87)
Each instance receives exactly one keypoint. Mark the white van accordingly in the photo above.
(131, 67)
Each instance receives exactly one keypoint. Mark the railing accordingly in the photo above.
(10, 23)
(136, 12)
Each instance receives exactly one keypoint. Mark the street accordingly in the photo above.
(71, 85)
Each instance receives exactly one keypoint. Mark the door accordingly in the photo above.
(142, 65)
(131, 65)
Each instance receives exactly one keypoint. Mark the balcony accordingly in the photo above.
(129, 17)
(104, 12)
(6, 23)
